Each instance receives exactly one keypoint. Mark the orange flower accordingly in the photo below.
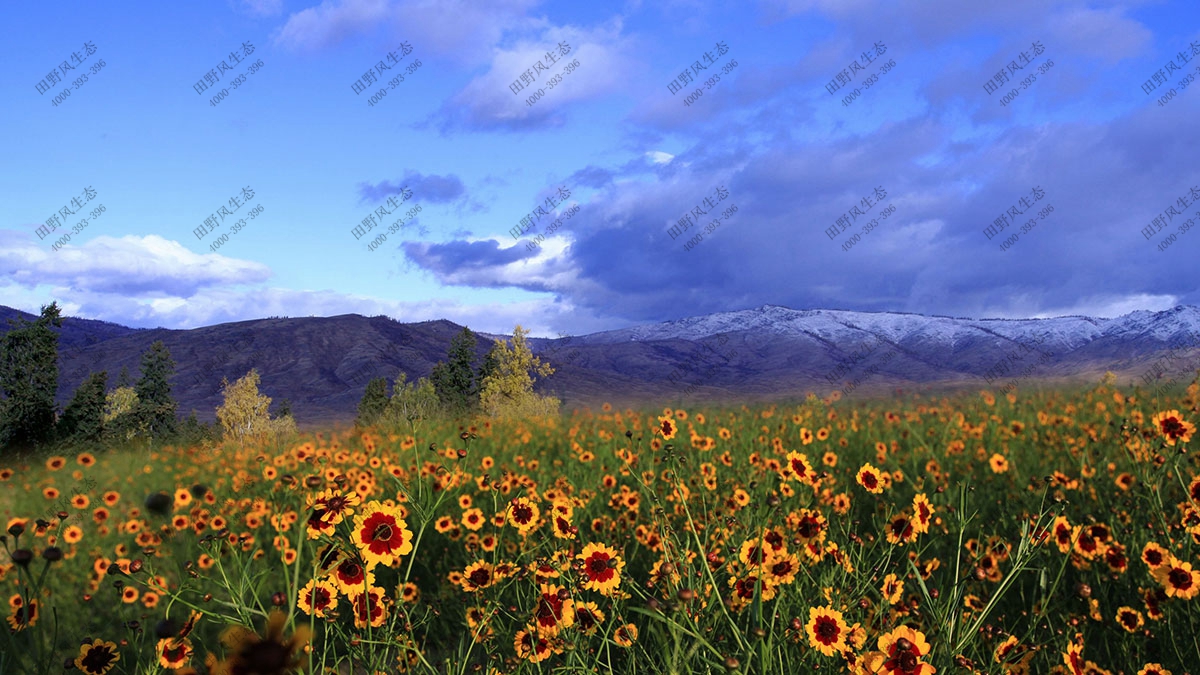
(1178, 578)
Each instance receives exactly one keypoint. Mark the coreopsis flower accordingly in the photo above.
(588, 617)
(922, 513)
(781, 568)
(1178, 578)
(1130, 619)
(1172, 427)
(174, 652)
(335, 505)
(1154, 555)
(1153, 669)
(473, 519)
(892, 589)
(900, 653)
(478, 576)
(269, 654)
(97, 657)
(625, 635)
(1073, 658)
(800, 468)
(870, 479)
(1004, 649)
(381, 534)
(24, 616)
(999, 463)
(523, 514)
(532, 645)
(350, 576)
(317, 596)
(553, 612)
(368, 608)
(601, 568)
(900, 530)
(826, 629)
(808, 525)
(667, 427)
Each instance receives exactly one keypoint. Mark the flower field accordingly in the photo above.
(1029, 533)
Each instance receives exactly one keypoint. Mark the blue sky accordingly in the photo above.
(791, 156)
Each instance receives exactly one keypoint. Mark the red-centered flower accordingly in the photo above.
(368, 608)
(174, 653)
(810, 525)
(799, 467)
(523, 514)
(1173, 427)
(601, 568)
(553, 612)
(351, 577)
(900, 530)
(381, 534)
(868, 478)
(826, 630)
(922, 513)
(1073, 658)
(1178, 578)
(316, 597)
(667, 427)
(588, 617)
(900, 653)
(478, 576)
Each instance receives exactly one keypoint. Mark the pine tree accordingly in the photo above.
(29, 380)
(508, 390)
(82, 423)
(373, 404)
(155, 407)
(454, 378)
(123, 378)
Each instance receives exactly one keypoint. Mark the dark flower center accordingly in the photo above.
(265, 657)
(383, 532)
(808, 528)
(1180, 578)
(1172, 427)
(827, 630)
(480, 577)
(97, 659)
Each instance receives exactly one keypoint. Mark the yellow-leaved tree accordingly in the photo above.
(507, 390)
(244, 413)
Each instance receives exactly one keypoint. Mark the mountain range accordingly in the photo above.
(322, 364)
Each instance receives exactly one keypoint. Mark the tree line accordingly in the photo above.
(144, 412)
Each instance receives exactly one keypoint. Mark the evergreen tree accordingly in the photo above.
(285, 408)
(373, 404)
(193, 432)
(155, 407)
(508, 390)
(123, 378)
(454, 378)
(82, 423)
(29, 380)
(490, 361)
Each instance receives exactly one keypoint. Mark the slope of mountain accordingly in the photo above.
(322, 364)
